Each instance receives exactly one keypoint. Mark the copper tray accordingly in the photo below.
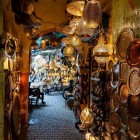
(133, 53)
(114, 100)
(114, 121)
(16, 116)
(134, 129)
(114, 76)
(123, 116)
(123, 92)
(124, 70)
(124, 39)
(133, 105)
(133, 82)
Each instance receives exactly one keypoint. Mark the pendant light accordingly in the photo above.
(92, 13)
(43, 45)
(75, 41)
(68, 50)
(102, 52)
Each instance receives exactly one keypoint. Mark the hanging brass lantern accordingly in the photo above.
(102, 52)
(75, 41)
(92, 13)
(65, 40)
(27, 7)
(68, 30)
(76, 8)
(43, 45)
(72, 58)
(31, 32)
(68, 50)
(54, 42)
(33, 45)
(86, 117)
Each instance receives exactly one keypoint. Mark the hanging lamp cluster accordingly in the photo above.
(87, 17)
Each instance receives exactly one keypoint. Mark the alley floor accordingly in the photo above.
(51, 121)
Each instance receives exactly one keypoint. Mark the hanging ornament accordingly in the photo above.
(33, 45)
(68, 50)
(76, 8)
(92, 13)
(43, 45)
(72, 59)
(102, 52)
(54, 42)
(75, 41)
(82, 29)
(31, 32)
(65, 40)
(68, 30)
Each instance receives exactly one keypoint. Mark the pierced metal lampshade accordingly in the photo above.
(92, 13)
(43, 45)
(68, 50)
(75, 22)
(76, 8)
(68, 30)
(65, 40)
(82, 29)
(102, 51)
(75, 41)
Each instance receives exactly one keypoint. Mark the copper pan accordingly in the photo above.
(133, 106)
(133, 82)
(133, 53)
(124, 39)
(123, 92)
(134, 129)
(114, 76)
(123, 116)
(114, 121)
(114, 100)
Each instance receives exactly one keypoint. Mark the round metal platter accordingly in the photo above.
(124, 39)
(133, 82)
(133, 53)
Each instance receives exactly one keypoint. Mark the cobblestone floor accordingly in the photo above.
(51, 122)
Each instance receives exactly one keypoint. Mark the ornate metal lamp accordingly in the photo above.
(92, 13)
